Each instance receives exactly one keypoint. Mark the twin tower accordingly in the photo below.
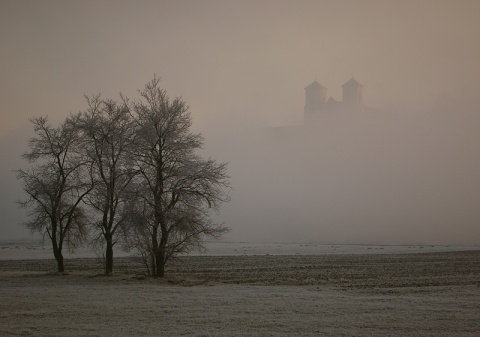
(316, 103)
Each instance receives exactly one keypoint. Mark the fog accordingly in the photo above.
(404, 170)
(374, 177)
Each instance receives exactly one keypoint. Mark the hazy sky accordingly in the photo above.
(241, 66)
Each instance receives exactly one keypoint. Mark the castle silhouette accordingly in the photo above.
(320, 111)
(316, 103)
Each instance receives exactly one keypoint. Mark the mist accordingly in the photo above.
(376, 177)
(405, 170)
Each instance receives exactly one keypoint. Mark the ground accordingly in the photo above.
(427, 294)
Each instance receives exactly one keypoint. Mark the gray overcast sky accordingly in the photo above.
(238, 64)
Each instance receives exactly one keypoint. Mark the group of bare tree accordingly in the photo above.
(124, 172)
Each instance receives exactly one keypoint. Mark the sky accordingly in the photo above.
(408, 173)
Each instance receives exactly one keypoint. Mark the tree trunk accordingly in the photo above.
(154, 252)
(160, 253)
(152, 264)
(109, 255)
(57, 247)
(59, 257)
(160, 262)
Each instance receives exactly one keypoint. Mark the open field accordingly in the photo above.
(427, 294)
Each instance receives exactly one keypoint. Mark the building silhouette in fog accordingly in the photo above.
(316, 103)
(322, 112)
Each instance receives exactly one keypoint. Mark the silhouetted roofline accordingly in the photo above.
(315, 84)
(352, 82)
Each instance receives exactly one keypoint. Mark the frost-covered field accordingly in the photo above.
(36, 249)
(329, 294)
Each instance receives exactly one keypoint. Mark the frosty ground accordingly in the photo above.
(416, 294)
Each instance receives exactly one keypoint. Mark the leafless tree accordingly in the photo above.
(176, 187)
(56, 184)
(108, 135)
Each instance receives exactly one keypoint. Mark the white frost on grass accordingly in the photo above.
(65, 306)
(352, 295)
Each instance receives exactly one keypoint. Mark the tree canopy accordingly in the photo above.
(129, 172)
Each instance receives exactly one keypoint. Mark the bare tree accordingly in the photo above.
(108, 135)
(56, 185)
(176, 187)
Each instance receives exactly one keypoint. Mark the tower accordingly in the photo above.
(315, 96)
(352, 93)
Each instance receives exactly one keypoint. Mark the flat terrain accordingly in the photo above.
(426, 294)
